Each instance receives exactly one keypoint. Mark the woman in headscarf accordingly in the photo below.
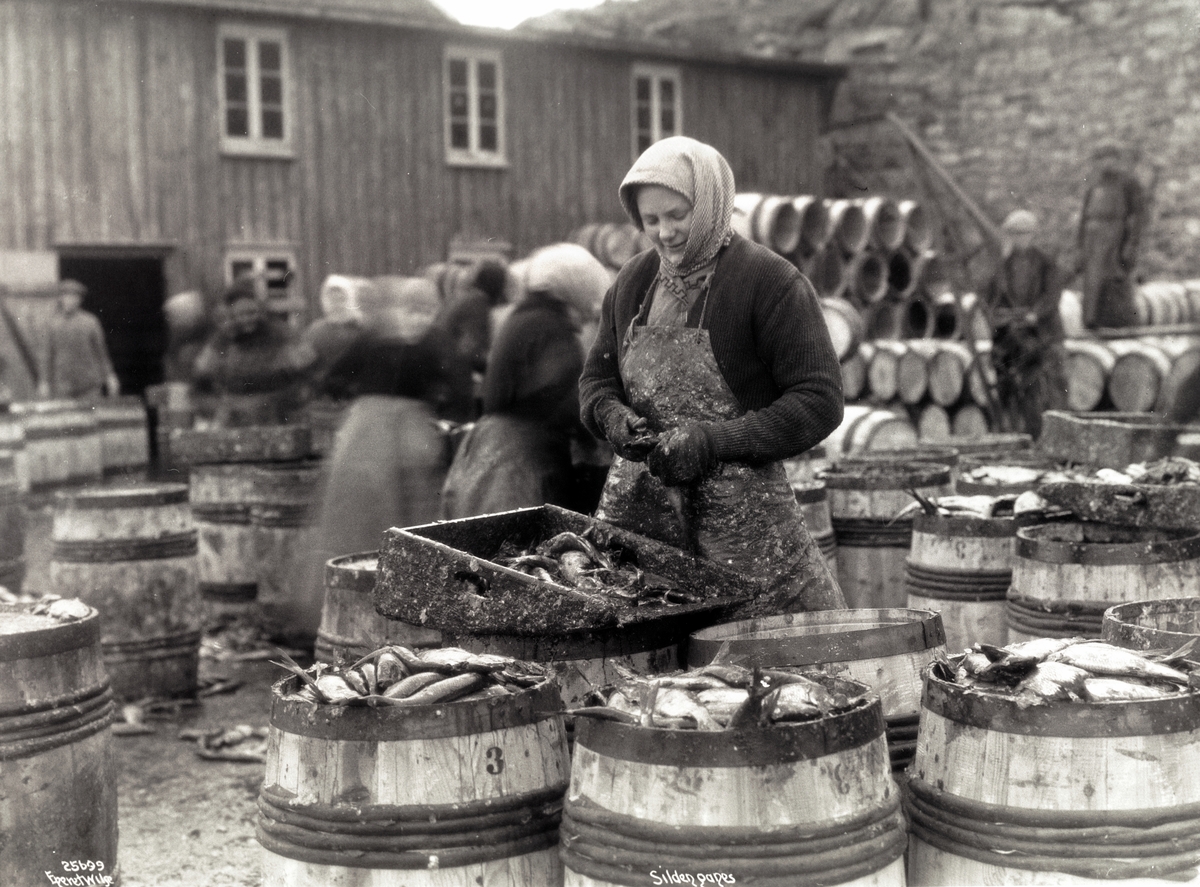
(518, 454)
(711, 365)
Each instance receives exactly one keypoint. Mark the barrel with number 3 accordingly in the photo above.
(445, 795)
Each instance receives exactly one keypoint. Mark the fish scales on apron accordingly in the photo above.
(740, 515)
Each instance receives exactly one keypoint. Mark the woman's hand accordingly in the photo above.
(626, 432)
(683, 456)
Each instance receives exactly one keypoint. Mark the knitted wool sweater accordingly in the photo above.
(770, 342)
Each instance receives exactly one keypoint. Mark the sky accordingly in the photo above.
(506, 13)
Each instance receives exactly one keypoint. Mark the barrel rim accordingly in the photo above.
(964, 525)
(135, 496)
(809, 492)
(887, 476)
(1069, 720)
(1030, 547)
(1118, 627)
(441, 720)
(874, 640)
(339, 573)
(50, 640)
(783, 743)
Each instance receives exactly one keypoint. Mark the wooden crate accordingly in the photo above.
(1112, 440)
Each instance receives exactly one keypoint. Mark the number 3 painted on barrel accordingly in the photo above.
(495, 754)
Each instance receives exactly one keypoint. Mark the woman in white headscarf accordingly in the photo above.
(518, 454)
(712, 364)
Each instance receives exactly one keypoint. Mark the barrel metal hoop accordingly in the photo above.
(282, 516)
(1104, 554)
(127, 497)
(847, 852)
(955, 526)
(221, 512)
(283, 842)
(1084, 618)
(189, 639)
(87, 725)
(1101, 844)
(47, 720)
(107, 551)
(964, 586)
(230, 592)
(866, 532)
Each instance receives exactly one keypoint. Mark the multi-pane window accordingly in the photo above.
(656, 106)
(253, 65)
(474, 107)
(272, 272)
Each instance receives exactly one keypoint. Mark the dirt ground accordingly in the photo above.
(186, 821)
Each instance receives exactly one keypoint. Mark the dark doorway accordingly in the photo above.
(126, 293)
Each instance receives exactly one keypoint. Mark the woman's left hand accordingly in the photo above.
(683, 455)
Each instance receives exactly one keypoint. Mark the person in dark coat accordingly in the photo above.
(337, 329)
(712, 364)
(1027, 346)
(77, 359)
(254, 363)
(467, 313)
(1110, 230)
(518, 454)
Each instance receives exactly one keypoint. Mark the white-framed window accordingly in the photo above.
(273, 273)
(255, 90)
(474, 82)
(657, 105)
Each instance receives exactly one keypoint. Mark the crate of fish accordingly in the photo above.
(547, 571)
(1056, 760)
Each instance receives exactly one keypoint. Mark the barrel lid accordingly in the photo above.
(1097, 544)
(998, 713)
(133, 496)
(436, 721)
(816, 638)
(353, 571)
(779, 744)
(28, 635)
(885, 475)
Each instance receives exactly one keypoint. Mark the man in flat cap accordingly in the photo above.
(1027, 349)
(77, 360)
(1110, 229)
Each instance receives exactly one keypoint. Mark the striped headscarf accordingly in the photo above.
(702, 175)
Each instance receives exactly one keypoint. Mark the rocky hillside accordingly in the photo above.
(1009, 95)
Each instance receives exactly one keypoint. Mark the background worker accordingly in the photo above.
(1110, 230)
(77, 359)
(1027, 344)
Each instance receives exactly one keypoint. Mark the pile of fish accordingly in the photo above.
(52, 605)
(1048, 670)
(1015, 475)
(397, 676)
(961, 506)
(591, 564)
(1162, 472)
(716, 697)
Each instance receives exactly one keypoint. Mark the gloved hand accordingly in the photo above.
(683, 456)
(626, 432)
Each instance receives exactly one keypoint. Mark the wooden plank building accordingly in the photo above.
(153, 146)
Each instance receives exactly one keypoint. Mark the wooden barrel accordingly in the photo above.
(827, 272)
(854, 372)
(948, 317)
(845, 326)
(460, 793)
(124, 428)
(969, 420)
(281, 516)
(130, 552)
(1062, 793)
(912, 370)
(1088, 365)
(1066, 574)
(918, 228)
(900, 277)
(62, 444)
(1137, 375)
(815, 226)
(932, 273)
(923, 453)
(948, 369)
(867, 427)
(866, 278)
(883, 372)
(976, 318)
(886, 649)
(1162, 303)
(777, 224)
(806, 467)
(12, 442)
(1183, 366)
(58, 778)
(814, 508)
(658, 806)
(872, 544)
(227, 567)
(961, 567)
(1070, 313)
(12, 527)
(351, 627)
(917, 316)
(884, 320)
(885, 227)
(933, 422)
(849, 225)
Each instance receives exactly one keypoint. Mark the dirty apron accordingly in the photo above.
(506, 462)
(740, 515)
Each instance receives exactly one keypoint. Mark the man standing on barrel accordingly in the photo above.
(1110, 228)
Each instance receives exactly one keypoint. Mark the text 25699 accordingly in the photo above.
(80, 873)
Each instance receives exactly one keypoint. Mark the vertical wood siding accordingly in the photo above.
(109, 133)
